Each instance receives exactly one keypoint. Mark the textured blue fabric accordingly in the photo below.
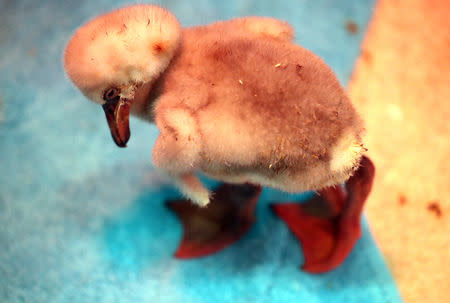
(83, 221)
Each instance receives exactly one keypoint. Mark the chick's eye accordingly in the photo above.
(111, 94)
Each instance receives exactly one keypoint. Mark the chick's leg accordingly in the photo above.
(328, 225)
(209, 226)
(193, 189)
(209, 229)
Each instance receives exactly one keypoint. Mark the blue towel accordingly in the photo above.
(83, 221)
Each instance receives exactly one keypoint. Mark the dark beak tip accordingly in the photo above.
(119, 142)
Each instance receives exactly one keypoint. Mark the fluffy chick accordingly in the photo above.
(236, 100)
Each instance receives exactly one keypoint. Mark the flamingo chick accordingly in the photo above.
(235, 100)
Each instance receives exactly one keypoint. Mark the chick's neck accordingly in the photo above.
(144, 98)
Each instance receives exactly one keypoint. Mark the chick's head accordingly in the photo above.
(110, 57)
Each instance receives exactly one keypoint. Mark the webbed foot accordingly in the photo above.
(328, 225)
(228, 216)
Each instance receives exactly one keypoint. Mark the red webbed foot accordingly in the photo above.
(328, 225)
(228, 216)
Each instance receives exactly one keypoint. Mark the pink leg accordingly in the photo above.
(208, 230)
(328, 225)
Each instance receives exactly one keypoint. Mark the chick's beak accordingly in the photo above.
(118, 114)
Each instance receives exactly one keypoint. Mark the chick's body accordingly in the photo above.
(246, 107)
(235, 99)
(240, 102)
